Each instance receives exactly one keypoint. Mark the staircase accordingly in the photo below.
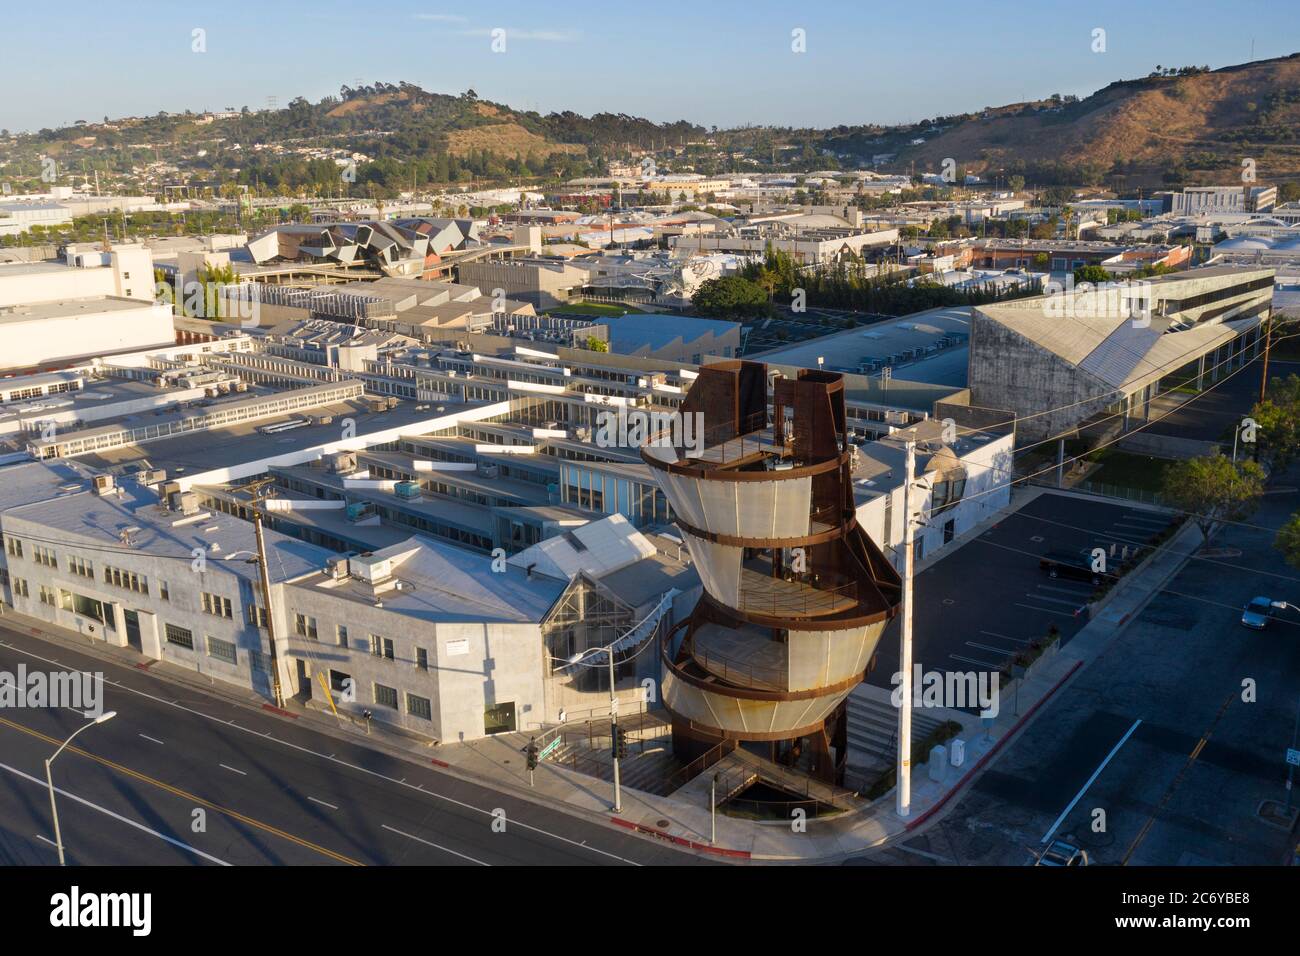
(873, 729)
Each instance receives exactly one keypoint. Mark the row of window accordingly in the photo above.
(385, 696)
(305, 626)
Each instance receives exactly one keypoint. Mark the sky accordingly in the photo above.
(719, 62)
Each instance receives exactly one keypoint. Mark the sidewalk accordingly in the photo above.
(495, 762)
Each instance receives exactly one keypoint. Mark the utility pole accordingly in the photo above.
(257, 497)
(1268, 335)
(613, 731)
(904, 772)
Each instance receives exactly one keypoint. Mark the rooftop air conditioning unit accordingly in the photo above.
(103, 485)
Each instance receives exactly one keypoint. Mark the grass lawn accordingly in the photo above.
(1128, 470)
(595, 308)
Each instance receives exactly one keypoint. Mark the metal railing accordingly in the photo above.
(735, 671)
(802, 597)
(700, 764)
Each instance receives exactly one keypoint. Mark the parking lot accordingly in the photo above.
(979, 605)
(1162, 750)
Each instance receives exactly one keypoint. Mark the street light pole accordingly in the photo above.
(1295, 731)
(49, 778)
(904, 771)
(613, 731)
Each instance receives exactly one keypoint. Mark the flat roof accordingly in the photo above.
(60, 308)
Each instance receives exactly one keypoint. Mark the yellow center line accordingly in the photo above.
(176, 791)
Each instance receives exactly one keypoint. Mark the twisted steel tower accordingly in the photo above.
(796, 595)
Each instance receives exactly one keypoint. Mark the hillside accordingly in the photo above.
(1138, 132)
(407, 136)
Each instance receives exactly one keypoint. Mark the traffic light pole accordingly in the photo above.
(903, 783)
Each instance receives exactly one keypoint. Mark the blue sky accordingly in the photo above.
(723, 62)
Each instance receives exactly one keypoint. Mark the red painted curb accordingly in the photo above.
(276, 710)
(1003, 739)
(680, 841)
(143, 666)
(438, 763)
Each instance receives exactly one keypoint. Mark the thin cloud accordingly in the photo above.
(440, 17)
(541, 36)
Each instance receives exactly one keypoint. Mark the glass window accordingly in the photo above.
(419, 707)
(179, 636)
(386, 696)
(222, 650)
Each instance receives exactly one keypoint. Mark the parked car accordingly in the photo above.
(1075, 565)
(1060, 853)
(1257, 613)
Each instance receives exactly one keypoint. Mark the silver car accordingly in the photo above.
(1257, 613)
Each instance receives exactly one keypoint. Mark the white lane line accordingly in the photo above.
(42, 837)
(1095, 774)
(351, 766)
(232, 770)
(434, 845)
(116, 816)
(322, 803)
(151, 739)
(1082, 590)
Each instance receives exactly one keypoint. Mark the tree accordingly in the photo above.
(1288, 540)
(1093, 274)
(1212, 489)
(1278, 421)
(1016, 183)
(597, 345)
(730, 297)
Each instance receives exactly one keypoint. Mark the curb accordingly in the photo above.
(979, 764)
(680, 841)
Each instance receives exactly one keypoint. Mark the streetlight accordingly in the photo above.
(54, 810)
(613, 714)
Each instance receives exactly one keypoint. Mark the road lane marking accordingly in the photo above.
(1044, 597)
(342, 763)
(434, 845)
(971, 660)
(176, 791)
(152, 739)
(1006, 637)
(116, 816)
(1095, 774)
(43, 837)
(322, 803)
(232, 770)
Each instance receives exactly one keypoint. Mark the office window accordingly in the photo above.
(164, 592)
(81, 567)
(381, 647)
(13, 547)
(259, 661)
(422, 658)
(20, 587)
(341, 635)
(45, 556)
(128, 580)
(386, 696)
(222, 650)
(306, 626)
(256, 616)
(217, 606)
(180, 636)
(48, 596)
(419, 707)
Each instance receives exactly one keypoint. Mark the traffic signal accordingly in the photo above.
(532, 753)
(620, 743)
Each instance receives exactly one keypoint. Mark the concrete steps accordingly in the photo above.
(872, 727)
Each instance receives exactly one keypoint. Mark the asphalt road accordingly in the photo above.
(1212, 415)
(1197, 710)
(268, 790)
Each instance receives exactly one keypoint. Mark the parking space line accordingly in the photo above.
(1006, 637)
(232, 770)
(1043, 597)
(322, 803)
(986, 647)
(1080, 591)
(971, 660)
(1045, 610)
(150, 739)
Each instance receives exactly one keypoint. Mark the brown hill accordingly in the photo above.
(1153, 129)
